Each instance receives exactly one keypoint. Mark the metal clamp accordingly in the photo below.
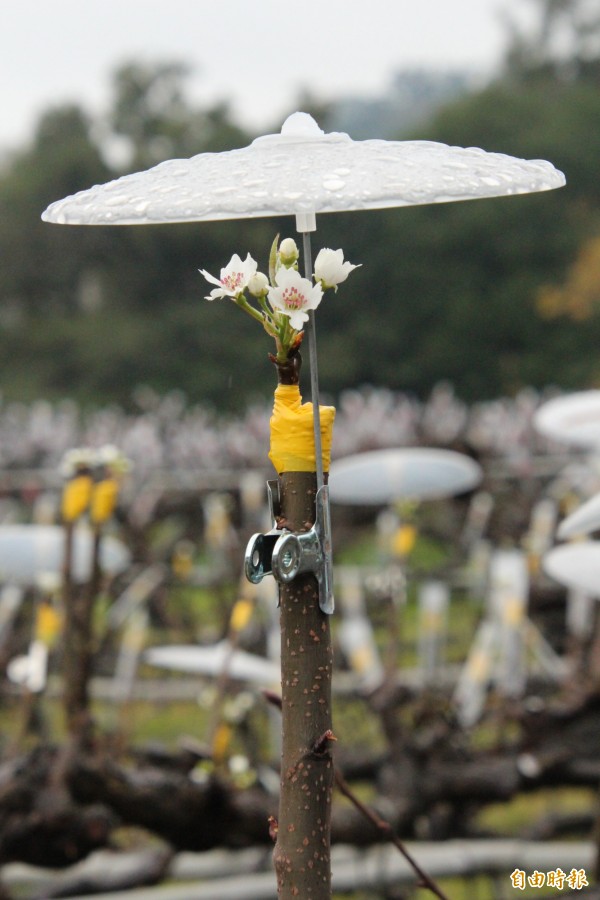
(285, 554)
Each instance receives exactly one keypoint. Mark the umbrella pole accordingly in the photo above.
(305, 224)
(314, 368)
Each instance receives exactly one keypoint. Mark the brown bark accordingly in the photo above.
(190, 816)
(39, 821)
(289, 371)
(52, 824)
(302, 851)
(77, 648)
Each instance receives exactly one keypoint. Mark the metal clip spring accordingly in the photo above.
(285, 554)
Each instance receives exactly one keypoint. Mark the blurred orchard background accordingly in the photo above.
(461, 321)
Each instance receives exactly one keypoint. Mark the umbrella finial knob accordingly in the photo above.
(300, 124)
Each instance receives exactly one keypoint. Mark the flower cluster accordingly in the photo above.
(281, 301)
(108, 458)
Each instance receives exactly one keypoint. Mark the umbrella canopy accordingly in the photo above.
(573, 420)
(303, 171)
(30, 552)
(213, 660)
(576, 566)
(383, 476)
(584, 520)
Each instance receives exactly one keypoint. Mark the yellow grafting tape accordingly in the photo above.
(104, 499)
(221, 742)
(76, 497)
(404, 540)
(241, 615)
(47, 624)
(292, 437)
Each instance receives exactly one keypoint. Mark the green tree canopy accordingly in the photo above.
(445, 292)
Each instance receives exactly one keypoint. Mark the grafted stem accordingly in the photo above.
(302, 851)
(288, 372)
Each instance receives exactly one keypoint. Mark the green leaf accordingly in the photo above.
(273, 260)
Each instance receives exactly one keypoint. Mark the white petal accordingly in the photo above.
(315, 295)
(297, 319)
(249, 267)
(217, 294)
(210, 277)
(235, 264)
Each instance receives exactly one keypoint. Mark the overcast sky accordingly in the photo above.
(258, 54)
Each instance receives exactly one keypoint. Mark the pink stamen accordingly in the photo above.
(232, 282)
(292, 299)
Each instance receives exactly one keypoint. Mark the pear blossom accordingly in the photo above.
(294, 295)
(75, 460)
(330, 268)
(234, 278)
(288, 252)
(258, 284)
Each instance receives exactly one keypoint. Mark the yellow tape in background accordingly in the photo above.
(47, 624)
(292, 438)
(241, 615)
(104, 500)
(76, 497)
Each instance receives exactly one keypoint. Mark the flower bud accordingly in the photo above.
(258, 284)
(288, 252)
(330, 268)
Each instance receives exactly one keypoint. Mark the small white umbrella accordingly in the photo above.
(213, 660)
(381, 477)
(30, 552)
(301, 172)
(573, 419)
(585, 519)
(576, 566)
